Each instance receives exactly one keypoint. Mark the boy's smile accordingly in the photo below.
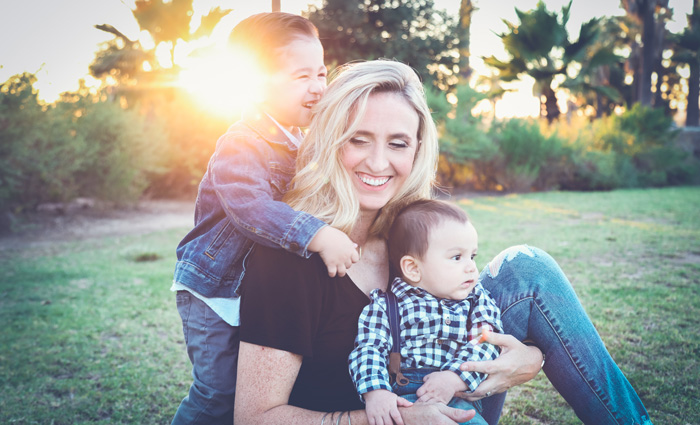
(297, 84)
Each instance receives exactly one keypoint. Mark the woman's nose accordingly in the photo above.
(377, 160)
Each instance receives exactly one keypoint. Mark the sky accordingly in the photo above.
(56, 39)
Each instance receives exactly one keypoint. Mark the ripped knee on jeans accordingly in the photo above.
(508, 254)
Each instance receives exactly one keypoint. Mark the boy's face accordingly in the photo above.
(297, 84)
(447, 270)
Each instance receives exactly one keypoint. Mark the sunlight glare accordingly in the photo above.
(224, 80)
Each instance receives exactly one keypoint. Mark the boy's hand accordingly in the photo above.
(440, 387)
(382, 407)
(336, 249)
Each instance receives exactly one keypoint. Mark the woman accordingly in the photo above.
(372, 148)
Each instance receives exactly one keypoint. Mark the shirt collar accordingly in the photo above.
(400, 288)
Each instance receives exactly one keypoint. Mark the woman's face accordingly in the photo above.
(379, 156)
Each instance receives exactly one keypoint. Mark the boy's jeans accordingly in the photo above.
(415, 378)
(538, 304)
(212, 346)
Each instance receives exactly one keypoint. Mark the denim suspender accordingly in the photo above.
(395, 356)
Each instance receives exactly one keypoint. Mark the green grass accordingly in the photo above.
(90, 332)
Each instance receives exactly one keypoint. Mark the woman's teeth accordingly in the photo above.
(374, 182)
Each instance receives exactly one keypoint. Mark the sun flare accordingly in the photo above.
(223, 80)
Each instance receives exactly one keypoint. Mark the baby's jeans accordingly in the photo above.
(415, 378)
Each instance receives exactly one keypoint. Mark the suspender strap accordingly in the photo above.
(395, 356)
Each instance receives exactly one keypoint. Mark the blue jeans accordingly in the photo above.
(212, 346)
(538, 304)
(415, 378)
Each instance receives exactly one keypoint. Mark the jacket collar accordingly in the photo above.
(266, 128)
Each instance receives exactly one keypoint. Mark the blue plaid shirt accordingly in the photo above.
(434, 333)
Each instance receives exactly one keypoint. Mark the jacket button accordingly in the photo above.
(294, 246)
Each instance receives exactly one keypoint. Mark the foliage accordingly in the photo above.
(635, 149)
(81, 146)
(687, 51)
(463, 138)
(412, 32)
(539, 46)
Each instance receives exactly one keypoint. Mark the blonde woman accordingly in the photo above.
(371, 149)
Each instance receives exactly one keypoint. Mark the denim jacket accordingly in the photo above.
(238, 204)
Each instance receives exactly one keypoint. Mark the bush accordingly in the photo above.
(81, 146)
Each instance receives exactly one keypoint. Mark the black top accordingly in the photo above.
(291, 304)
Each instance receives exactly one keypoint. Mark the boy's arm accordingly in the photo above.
(484, 315)
(243, 183)
(368, 361)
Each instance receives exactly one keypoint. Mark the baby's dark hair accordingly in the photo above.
(410, 232)
(263, 33)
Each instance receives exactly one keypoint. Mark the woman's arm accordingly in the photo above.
(517, 364)
(265, 380)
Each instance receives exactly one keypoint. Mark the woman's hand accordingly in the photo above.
(434, 414)
(518, 363)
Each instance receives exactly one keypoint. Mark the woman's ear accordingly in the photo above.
(410, 269)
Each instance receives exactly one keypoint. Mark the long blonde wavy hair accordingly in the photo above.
(322, 185)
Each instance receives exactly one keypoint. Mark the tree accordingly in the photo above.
(651, 16)
(129, 63)
(540, 47)
(466, 9)
(413, 32)
(687, 51)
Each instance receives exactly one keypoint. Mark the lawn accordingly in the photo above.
(90, 333)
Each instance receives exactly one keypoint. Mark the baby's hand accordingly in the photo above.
(336, 249)
(440, 387)
(382, 407)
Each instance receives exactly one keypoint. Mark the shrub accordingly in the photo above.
(81, 146)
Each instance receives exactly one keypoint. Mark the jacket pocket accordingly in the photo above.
(280, 176)
(219, 240)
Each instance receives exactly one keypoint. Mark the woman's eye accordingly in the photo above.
(356, 141)
(398, 144)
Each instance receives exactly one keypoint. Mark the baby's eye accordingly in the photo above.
(473, 256)
(457, 257)
(302, 77)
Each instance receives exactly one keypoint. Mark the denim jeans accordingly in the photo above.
(415, 380)
(538, 304)
(212, 346)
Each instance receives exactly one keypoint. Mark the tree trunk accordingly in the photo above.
(466, 8)
(692, 117)
(648, 48)
(551, 106)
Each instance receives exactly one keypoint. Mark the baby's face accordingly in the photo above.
(447, 269)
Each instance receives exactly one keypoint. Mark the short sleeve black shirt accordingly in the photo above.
(291, 304)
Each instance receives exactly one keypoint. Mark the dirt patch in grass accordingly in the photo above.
(41, 230)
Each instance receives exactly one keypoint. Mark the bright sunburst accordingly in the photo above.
(223, 80)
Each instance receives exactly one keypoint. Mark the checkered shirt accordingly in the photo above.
(434, 333)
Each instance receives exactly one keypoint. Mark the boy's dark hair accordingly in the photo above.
(263, 33)
(410, 231)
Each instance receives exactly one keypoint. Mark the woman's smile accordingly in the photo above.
(380, 154)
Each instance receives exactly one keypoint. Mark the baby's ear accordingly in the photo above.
(410, 269)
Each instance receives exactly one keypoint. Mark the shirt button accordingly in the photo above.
(447, 320)
(439, 341)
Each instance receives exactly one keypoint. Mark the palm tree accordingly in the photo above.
(167, 22)
(540, 47)
(645, 12)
